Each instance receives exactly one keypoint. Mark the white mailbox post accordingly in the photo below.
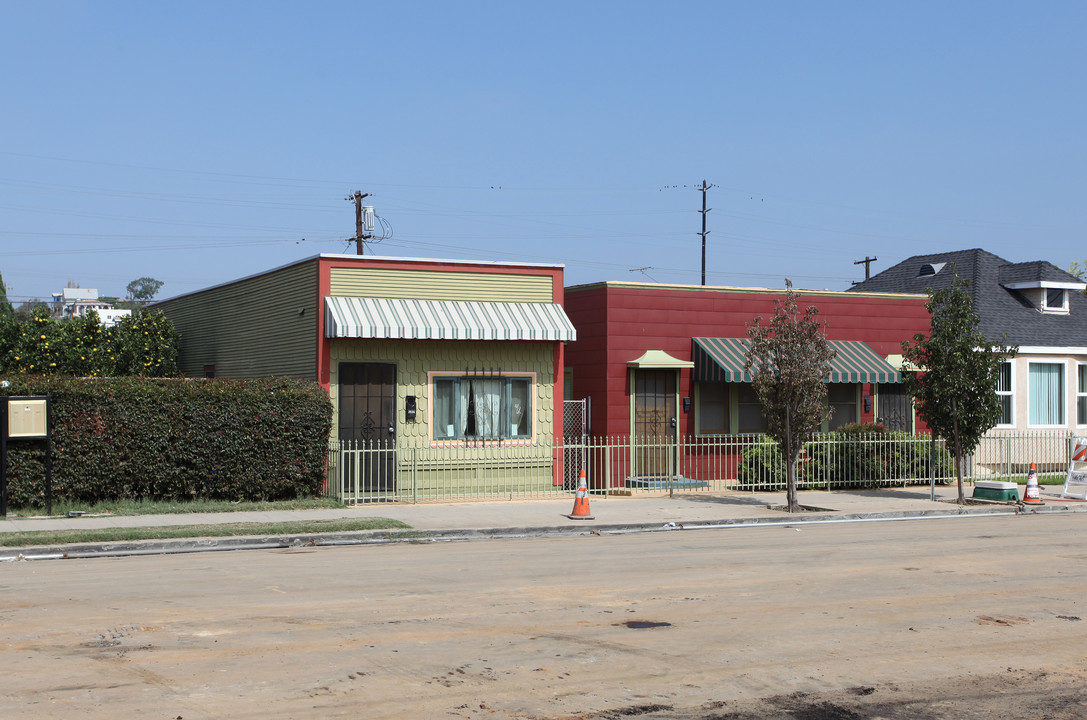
(25, 418)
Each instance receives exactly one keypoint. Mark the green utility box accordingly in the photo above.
(996, 490)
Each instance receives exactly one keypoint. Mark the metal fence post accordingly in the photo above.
(932, 467)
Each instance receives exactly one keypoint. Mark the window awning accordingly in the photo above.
(658, 359)
(722, 360)
(385, 318)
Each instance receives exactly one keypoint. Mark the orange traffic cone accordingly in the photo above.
(581, 500)
(1032, 495)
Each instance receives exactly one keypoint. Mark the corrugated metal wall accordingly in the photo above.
(256, 327)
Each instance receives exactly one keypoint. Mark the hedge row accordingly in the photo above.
(138, 438)
(857, 455)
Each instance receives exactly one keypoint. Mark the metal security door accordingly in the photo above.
(654, 422)
(895, 408)
(368, 421)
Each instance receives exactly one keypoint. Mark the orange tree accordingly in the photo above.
(33, 345)
(143, 344)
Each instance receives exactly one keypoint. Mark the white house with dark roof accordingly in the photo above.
(1034, 305)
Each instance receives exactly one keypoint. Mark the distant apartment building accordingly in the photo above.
(76, 302)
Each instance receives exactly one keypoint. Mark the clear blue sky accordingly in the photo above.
(201, 142)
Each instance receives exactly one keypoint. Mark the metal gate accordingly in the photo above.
(575, 435)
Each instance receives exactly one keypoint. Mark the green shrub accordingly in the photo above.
(856, 455)
(144, 344)
(137, 438)
(869, 455)
(762, 467)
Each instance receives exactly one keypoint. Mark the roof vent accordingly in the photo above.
(930, 269)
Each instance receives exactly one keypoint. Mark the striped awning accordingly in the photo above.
(722, 360)
(385, 318)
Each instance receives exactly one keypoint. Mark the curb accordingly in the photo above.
(387, 537)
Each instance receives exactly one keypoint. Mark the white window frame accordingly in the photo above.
(1046, 307)
(1081, 393)
(1063, 393)
(503, 435)
(1009, 393)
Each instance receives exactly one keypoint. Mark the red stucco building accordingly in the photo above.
(661, 363)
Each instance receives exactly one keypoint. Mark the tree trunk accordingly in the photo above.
(790, 472)
(790, 487)
(958, 459)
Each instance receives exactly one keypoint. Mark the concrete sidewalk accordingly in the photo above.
(641, 510)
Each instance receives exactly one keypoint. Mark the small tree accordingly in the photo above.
(82, 340)
(6, 311)
(145, 343)
(788, 358)
(37, 345)
(955, 390)
(143, 290)
(31, 308)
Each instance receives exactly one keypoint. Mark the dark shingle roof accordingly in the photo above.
(1034, 272)
(1001, 310)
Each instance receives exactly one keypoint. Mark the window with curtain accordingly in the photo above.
(1046, 393)
(1081, 394)
(481, 408)
(1004, 393)
(712, 409)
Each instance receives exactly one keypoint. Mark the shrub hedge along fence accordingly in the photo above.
(857, 455)
(173, 439)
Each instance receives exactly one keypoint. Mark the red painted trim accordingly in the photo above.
(558, 394)
(324, 345)
(399, 264)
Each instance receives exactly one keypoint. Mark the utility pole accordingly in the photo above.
(867, 262)
(359, 236)
(704, 232)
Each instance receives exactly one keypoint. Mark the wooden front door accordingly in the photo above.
(654, 422)
(367, 419)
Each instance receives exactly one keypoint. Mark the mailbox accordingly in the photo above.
(25, 418)
(28, 418)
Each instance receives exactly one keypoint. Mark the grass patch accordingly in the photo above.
(1043, 479)
(175, 507)
(181, 532)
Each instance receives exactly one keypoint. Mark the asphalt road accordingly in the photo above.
(930, 618)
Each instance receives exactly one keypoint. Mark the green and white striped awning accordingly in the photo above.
(386, 318)
(722, 360)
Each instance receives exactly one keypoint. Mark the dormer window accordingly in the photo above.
(929, 269)
(1055, 300)
(1046, 296)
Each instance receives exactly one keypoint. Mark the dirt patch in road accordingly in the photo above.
(1012, 695)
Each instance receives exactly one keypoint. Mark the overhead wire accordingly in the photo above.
(514, 219)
